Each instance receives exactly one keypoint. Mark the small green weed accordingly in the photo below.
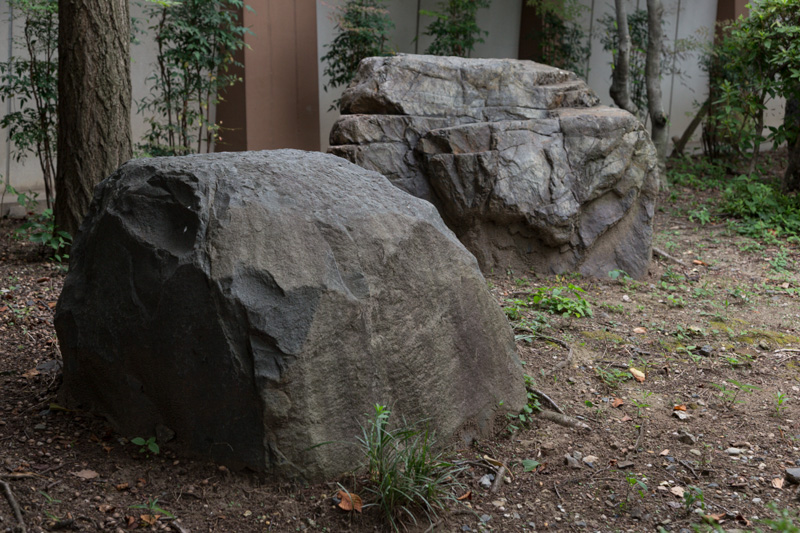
(565, 301)
(147, 445)
(780, 399)
(405, 475)
(729, 395)
(524, 418)
(153, 508)
(692, 496)
(40, 228)
(612, 377)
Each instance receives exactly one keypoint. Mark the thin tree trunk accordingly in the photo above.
(621, 73)
(791, 123)
(655, 11)
(791, 179)
(94, 101)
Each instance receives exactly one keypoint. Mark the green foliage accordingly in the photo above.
(362, 31)
(455, 29)
(729, 395)
(787, 521)
(33, 81)
(620, 275)
(525, 416)
(147, 445)
(565, 301)
(635, 483)
(691, 496)
(40, 228)
(780, 399)
(196, 42)
(405, 474)
(758, 58)
(761, 207)
(612, 377)
(153, 508)
(529, 465)
(564, 43)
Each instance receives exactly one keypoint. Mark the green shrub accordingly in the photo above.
(455, 28)
(362, 31)
(761, 208)
(406, 475)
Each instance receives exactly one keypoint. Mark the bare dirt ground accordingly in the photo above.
(716, 339)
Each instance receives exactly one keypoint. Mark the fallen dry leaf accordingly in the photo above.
(698, 262)
(777, 482)
(85, 474)
(639, 330)
(679, 408)
(617, 402)
(149, 519)
(664, 452)
(465, 496)
(714, 518)
(638, 375)
(626, 418)
(677, 491)
(30, 373)
(105, 508)
(123, 486)
(349, 501)
(4, 308)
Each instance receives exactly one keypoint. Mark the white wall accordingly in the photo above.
(501, 20)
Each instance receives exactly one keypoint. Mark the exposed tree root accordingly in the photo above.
(542, 396)
(14, 506)
(563, 420)
(661, 253)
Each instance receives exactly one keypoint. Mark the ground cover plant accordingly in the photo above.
(688, 380)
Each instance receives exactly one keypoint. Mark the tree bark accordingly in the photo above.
(94, 101)
(791, 179)
(621, 73)
(791, 122)
(655, 12)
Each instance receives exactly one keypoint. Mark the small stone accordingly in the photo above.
(572, 462)
(486, 481)
(485, 518)
(590, 460)
(626, 298)
(687, 438)
(734, 451)
(625, 464)
(756, 501)
(793, 475)
(681, 415)
(706, 351)
(696, 452)
(465, 527)
(577, 455)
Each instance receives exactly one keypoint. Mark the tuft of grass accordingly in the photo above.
(406, 477)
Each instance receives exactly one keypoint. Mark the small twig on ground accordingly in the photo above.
(14, 505)
(547, 399)
(687, 465)
(180, 529)
(498, 479)
(639, 438)
(563, 419)
(661, 253)
(555, 487)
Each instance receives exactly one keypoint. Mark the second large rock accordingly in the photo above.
(521, 161)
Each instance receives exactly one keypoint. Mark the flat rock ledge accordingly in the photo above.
(522, 162)
(257, 305)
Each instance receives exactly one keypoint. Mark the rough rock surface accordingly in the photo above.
(260, 304)
(521, 161)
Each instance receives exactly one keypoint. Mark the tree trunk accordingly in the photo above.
(621, 73)
(655, 12)
(791, 123)
(791, 180)
(94, 101)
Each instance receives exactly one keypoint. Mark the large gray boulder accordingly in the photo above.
(521, 161)
(259, 304)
